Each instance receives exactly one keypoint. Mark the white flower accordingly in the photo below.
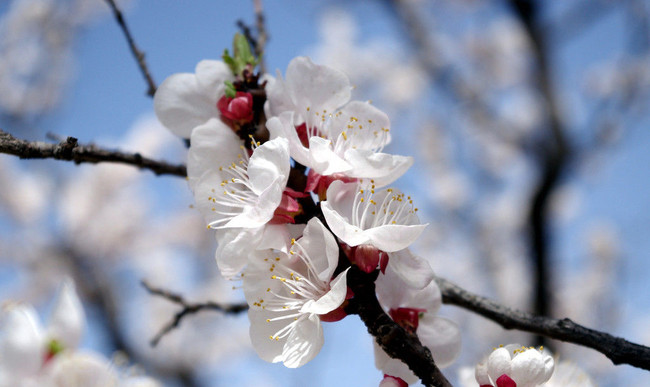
(81, 369)
(415, 310)
(568, 374)
(232, 189)
(308, 88)
(184, 101)
(288, 292)
(325, 137)
(358, 215)
(21, 344)
(525, 366)
(68, 321)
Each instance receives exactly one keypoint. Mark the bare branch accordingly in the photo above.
(392, 338)
(70, 150)
(188, 308)
(618, 350)
(137, 54)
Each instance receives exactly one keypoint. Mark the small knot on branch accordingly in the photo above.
(65, 148)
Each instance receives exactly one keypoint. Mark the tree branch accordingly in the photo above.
(392, 338)
(188, 308)
(137, 54)
(70, 150)
(618, 350)
(554, 158)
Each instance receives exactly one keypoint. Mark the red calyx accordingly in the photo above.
(505, 381)
(407, 318)
(288, 208)
(318, 183)
(396, 381)
(238, 109)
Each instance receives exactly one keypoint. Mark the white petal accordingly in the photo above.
(330, 300)
(322, 249)
(267, 163)
(341, 227)
(235, 246)
(317, 87)
(393, 237)
(499, 363)
(393, 367)
(213, 145)
(181, 104)
(212, 75)
(395, 292)
(261, 331)
(413, 270)
(383, 168)
(304, 342)
(529, 368)
(283, 126)
(21, 341)
(481, 374)
(77, 369)
(366, 126)
(441, 336)
(68, 321)
(323, 159)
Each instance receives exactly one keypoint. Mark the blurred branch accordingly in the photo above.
(188, 308)
(137, 54)
(70, 150)
(258, 43)
(262, 36)
(575, 20)
(553, 161)
(618, 350)
(392, 338)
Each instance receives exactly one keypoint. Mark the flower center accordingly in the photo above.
(386, 207)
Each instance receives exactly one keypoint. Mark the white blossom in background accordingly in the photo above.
(31, 355)
(36, 51)
(402, 79)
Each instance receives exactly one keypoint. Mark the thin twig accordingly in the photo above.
(618, 350)
(70, 150)
(137, 54)
(188, 308)
(262, 35)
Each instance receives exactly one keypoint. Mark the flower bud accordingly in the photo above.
(238, 109)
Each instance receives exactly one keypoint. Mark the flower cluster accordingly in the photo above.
(31, 355)
(291, 175)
